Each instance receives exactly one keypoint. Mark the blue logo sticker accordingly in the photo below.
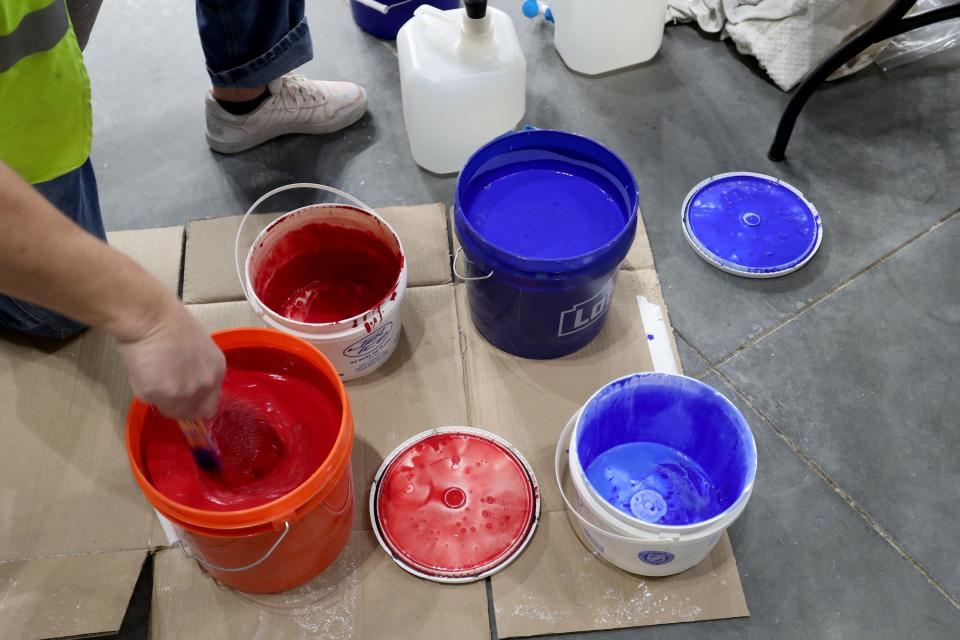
(371, 343)
(656, 557)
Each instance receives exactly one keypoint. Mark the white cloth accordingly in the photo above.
(787, 37)
(711, 15)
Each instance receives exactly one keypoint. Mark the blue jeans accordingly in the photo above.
(75, 194)
(248, 43)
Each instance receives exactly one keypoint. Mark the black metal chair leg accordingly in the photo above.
(846, 51)
(918, 20)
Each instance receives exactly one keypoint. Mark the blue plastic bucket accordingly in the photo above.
(664, 453)
(544, 219)
(387, 25)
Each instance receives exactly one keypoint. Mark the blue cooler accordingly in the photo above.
(386, 25)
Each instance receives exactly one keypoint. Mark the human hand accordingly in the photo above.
(174, 364)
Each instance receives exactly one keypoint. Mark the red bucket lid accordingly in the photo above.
(454, 504)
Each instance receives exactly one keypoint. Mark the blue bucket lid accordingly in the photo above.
(751, 225)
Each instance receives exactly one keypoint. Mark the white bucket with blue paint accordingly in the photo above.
(661, 465)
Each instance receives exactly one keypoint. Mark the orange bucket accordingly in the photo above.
(281, 544)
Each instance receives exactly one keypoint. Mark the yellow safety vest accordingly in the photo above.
(46, 123)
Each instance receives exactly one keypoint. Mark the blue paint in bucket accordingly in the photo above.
(751, 225)
(387, 25)
(544, 219)
(665, 449)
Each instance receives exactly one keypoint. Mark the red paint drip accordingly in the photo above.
(326, 273)
(455, 505)
(276, 422)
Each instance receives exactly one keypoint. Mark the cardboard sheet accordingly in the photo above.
(362, 596)
(528, 402)
(640, 255)
(41, 598)
(443, 374)
(68, 490)
(158, 250)
(210, 274)
(558, 586)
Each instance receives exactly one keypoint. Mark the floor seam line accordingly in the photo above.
(872, 522)
(75, 554)
(829, 294)
(491, 608)
(700, 375)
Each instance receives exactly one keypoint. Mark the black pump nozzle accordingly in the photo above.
(476, 9)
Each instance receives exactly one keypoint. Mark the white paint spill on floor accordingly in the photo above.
(621, 609)
(529, 608)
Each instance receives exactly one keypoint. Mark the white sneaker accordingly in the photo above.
(296, 105)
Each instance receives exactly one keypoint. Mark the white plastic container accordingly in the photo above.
(624, 523)
(632, 550)
(662, 535)
(463, 82)
(598, 36)
(358, 345)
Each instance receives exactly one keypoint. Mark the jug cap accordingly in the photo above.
(476, 9)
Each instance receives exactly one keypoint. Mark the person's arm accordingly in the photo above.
(48, 260)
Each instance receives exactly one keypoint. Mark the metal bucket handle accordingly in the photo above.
(246, 567)
(463, 277)
(236, 251)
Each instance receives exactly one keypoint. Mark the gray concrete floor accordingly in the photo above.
(847, 370)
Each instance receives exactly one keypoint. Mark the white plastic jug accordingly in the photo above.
(463, 81)
(597, 36)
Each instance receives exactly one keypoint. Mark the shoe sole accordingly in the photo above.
(294, 128)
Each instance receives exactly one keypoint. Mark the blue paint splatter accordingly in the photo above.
(649, 336)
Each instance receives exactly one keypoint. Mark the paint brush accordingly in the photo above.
(204, 452)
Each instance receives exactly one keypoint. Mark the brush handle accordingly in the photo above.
(196, 434)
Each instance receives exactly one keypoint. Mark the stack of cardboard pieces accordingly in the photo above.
(79, 529)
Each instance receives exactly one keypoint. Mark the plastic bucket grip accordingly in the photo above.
(249, 294)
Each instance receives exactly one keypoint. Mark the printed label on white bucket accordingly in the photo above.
(656, 558)
(369, 345)
(586, 313)
(371, 350)
(593, 541)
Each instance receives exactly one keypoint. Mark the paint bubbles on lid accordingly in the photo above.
(454, 504)
(751, 225)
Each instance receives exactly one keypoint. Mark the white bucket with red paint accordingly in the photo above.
(332, 274)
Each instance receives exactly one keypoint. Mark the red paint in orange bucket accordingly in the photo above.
(276, 543)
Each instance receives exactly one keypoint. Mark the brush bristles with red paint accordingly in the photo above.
(204, 452)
